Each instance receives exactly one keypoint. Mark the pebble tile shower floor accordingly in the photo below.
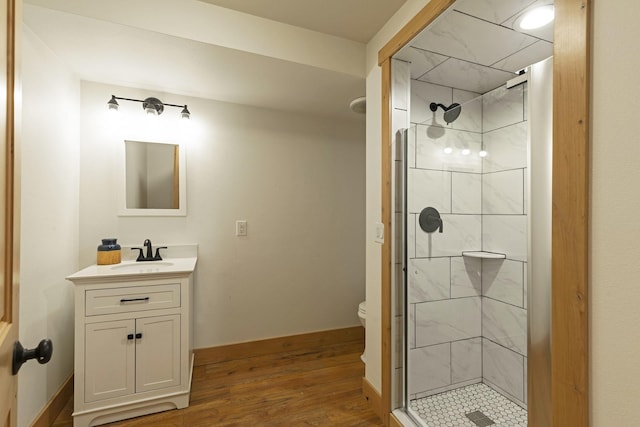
(449, 409)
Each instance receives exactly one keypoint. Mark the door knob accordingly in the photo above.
(42, 352)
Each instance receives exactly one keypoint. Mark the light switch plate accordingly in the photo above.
(241, 228)
(379, 237)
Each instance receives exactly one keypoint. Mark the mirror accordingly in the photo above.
(153, 179)
(152, 175)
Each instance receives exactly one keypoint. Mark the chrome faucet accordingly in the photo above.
(149, 256)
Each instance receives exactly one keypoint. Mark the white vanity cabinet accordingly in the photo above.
(133, 345)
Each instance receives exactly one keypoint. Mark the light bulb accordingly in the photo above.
(112, 105)
(482, 153)
(185, 113)
(447, 150)
(465, 151)
(536, 18)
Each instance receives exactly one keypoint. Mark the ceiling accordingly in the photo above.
(121, 43)
(238, 51)
(117, 54)
(357, 20)
(477, 46)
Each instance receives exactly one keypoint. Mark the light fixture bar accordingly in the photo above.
(151, 105)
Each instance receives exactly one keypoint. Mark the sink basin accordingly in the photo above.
(132, 270)
(145, 265)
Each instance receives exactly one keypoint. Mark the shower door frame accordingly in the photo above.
(570, 213)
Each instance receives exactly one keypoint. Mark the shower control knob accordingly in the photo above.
(430, 220)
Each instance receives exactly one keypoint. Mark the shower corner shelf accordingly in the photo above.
(483, 254)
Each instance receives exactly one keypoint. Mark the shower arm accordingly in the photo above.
(434, 107)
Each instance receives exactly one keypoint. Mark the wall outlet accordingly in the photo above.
(241, 228)
(379, 237)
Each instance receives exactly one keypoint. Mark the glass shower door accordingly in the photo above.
(461, 263)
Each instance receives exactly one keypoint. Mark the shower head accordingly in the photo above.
(451, 112)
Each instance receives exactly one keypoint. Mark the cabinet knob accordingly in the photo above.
(139, 335)
(42, 353)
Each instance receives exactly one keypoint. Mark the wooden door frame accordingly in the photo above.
(11, 205)
(570, 207)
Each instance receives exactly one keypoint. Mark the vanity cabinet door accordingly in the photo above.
(157, 352)
(109, 359)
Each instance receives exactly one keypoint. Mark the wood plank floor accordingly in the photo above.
(320, 387)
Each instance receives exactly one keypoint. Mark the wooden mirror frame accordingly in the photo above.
(570, 212)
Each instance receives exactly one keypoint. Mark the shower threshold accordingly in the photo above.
(453, 408)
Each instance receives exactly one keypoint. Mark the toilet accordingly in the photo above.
(362, 315)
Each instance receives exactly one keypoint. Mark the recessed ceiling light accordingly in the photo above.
(537, 17)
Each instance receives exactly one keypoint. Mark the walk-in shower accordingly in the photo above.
(464, 261)
(465, 320)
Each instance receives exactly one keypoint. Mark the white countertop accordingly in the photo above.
(136, 270)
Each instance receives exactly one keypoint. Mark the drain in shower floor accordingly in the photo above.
(479, 419)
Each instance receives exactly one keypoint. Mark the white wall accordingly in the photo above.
(373, 371)
(297, 180)
(49, 235)
(614, 290)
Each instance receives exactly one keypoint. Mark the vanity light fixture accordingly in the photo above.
(152, 106)
(536, 18)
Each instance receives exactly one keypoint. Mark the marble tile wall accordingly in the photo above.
(504, 230)
(467, 316)
(444, 289)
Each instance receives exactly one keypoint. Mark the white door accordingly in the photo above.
(157, 352)
(109, 360)
(9, 209)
